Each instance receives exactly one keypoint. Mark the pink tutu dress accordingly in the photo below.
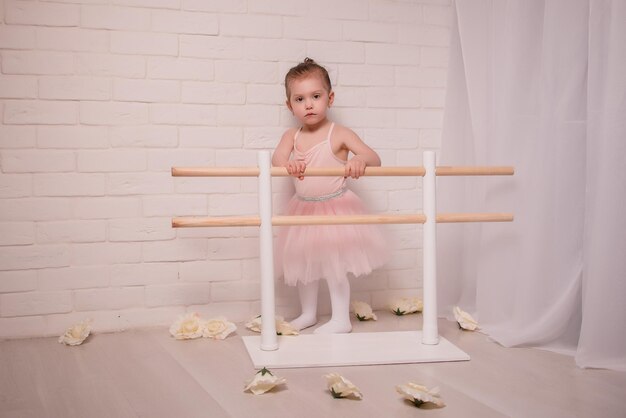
(312, 252)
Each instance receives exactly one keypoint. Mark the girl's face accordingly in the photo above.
(309, 100)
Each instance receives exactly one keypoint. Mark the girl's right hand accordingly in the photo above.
(296, 168)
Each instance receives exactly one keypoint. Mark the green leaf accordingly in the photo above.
(418, 403)
(399, 312)
(263, 371)
(360, 318)
(336, 395)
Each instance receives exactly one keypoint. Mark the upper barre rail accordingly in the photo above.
(332, 171)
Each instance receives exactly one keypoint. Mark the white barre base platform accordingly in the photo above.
(355, 349)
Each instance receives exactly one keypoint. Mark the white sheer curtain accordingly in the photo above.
(540, 85)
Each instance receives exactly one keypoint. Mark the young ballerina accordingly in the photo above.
(306, 254)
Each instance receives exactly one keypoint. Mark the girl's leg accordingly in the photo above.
(308, 302)
(340, 305)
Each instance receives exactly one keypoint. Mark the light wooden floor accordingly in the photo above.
(146, 373)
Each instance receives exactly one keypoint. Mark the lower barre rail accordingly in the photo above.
(230, 221)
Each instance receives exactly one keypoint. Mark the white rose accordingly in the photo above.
(417, 305)
(263, 381)
(76, 334)
(340, 387)
(282, 327)
(218, 328)
(187, 327)
(420, 395)
(464, 319)
(363, 311)
(402, 306)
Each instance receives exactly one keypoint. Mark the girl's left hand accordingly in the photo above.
(355, 167)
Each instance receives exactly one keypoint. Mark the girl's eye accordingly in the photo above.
(317, 96)
(298, 99)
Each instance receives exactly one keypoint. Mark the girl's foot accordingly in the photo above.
(304, 321)
(334, 327)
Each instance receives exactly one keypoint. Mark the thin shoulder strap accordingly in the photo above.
(330, 131)
(295, 137)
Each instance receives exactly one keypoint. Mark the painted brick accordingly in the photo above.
(69, 184)
(35, 209)
(17, 37)
(22, 327)
(18, 281)
(391, 138)
(392, 54)
(103, 321)
(106, 207)
(183, 114)
(345, 9)
(403, 12)
(35, 303)
(146, 90)
(257, 72)
(430, 138)
(178, 294)
(159, 4)
(274, 49)
(404, 200)
(69, 278)
(105, 253)
(18, 87)
(175, 250)
(235, 291)
(425, 35)
(144, 136)
(115, 18)
(17, 233)
(141, 317)
(420, 118)
(74, 88)
(251, 115)
(111, 65)
(366, 75)
(251, 26)
(71, 231)
(210, 271)
(28, 112)
(36, 13)
(420, 77)
(72, 39)
(234, 311)
(15, 185)
(279, 7)
(210, 47)
(346, 96)
(433, 98)
(139, 183)
(72, 137)
(33, 257)
(339, 52)
(213, 93)
(233, 249)
(394, 97)
(37, 161)
(367, 118)
(143, 274)
(175, 205)
(177, 68)
(208, 185)
(311, 29)
(370, 32)
(211, 137)
(438, 15)
(185, 22)
(113, 113)
(435, 57)
(222, 6)
(111, 161)
(144, 43)
(405, 279)
(240, 204)
(265, 94)
(17, 136)
(262, 138)
(164, 160)
(37, 62)
(107, 299)
(141, 229)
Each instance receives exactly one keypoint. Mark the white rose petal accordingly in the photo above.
(406, 306)
(464, 319)
(340, 387)
(218, 328)
(76, 334)
(187, 327)
(420, 395)
(363, 311)
(263, 381)
(282, 327)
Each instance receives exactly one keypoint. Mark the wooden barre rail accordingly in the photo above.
(328, 171)
(188, 222)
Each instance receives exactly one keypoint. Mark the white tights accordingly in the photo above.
(340, 305)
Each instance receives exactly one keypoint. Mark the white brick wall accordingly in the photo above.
(100, 98)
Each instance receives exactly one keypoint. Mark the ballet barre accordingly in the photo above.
(433, 348)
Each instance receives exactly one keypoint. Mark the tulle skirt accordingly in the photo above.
(312, 252)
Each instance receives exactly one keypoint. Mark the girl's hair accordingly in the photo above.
(305, 68)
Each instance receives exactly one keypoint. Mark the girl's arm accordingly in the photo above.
(280, 157)
(363, 155)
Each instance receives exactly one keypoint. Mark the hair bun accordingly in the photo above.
(308, 60)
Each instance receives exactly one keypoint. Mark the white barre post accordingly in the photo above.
(430, 333)
(269, 341)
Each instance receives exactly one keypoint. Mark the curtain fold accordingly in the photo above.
(538, 85)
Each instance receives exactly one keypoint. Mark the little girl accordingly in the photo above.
(306, 254)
